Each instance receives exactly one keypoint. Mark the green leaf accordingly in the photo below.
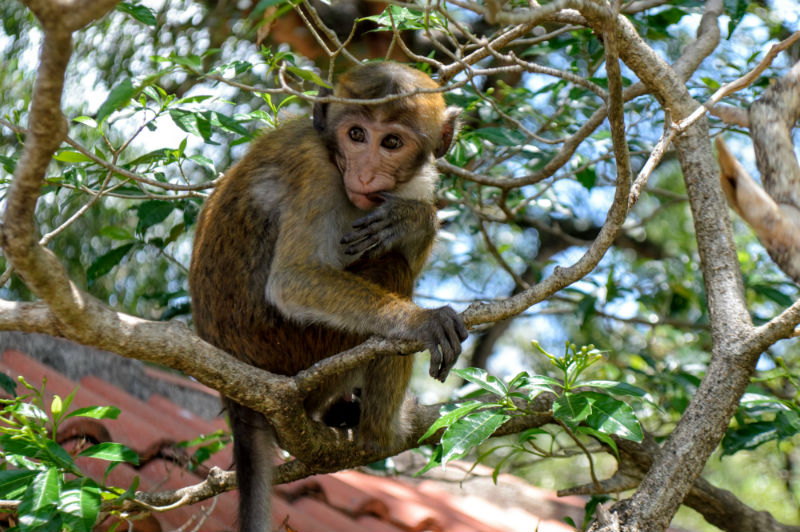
(788, 423)
(14, 483)
(42, 492)
(192, 61)
(501, 136)
(96, 412)
(30, 411)
(68, 155)
(539, 384)
(226, 122)
(116, 233)
(9, 164)
(665, 18)
(161, 155)
(45, 519)
(130, 493)
(80, 504)
(448, 418)
(202, 439)
(55, 454)
(19, 447)
(544, 380)
(192, 122)
(478, 376)
(152, 212)
(434, 460)
(157, 95)
(587, 307)
(520, 380)
(530, 434)
(749, 436)
(143, 14)
(758, 404)
(68, 400)
(404, 19)
(616, 388)
(735, 9)
(605, 438)
(771, 293)
(587, 177)
(8, 384)
(106, 262)
(112, 452)
(612, 416)
(235, 68)
(86, 121)
(204, 161)
(711, 83)
(571, 409)
(613, 290)
(308, 75)
(469, 432)
(119, 97)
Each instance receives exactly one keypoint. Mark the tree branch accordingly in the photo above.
(719, 507)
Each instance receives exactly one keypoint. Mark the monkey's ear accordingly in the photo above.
(449, 130)
(320, 112)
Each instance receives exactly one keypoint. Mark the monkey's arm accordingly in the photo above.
(307, 289)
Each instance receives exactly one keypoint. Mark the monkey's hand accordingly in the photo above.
(442, 331)
(399, 224)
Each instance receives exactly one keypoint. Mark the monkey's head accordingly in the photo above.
(380, 147)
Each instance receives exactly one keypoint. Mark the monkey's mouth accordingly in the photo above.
(365, 201)
(376, 197)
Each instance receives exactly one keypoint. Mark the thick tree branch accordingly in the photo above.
(719, 507)
(706, 418)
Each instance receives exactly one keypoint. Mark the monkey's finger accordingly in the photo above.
(435, 370)
(382, 230)
(444, 371)
(450, 354)
(461, 329)
(384, 197)
(355, 237)
(457, 323)
(367, 246)
(446, 357)
(376, 220)
(453, 341)
(455, 329)
(371, 245)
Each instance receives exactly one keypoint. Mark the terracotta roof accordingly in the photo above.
(349, 501)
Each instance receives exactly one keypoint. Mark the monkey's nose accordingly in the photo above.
(366, 178)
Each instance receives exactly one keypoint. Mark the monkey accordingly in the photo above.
(311, 243)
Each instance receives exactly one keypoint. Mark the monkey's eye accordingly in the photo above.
(391, 142)
(357, 134)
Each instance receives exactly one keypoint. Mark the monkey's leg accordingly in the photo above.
(253, 451)
(383, 402)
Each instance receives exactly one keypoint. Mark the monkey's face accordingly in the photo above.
(375, 157)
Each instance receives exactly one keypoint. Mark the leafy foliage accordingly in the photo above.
(589, 407)
(52, 492)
